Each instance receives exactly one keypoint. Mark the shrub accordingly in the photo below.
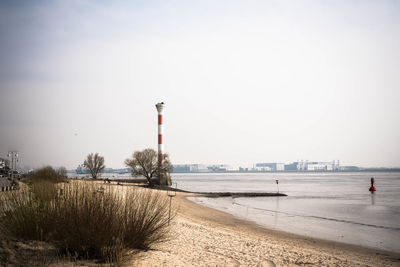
(48, 174)
(18, 214)
(88, 222)
(27, 213)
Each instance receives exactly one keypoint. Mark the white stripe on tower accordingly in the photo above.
(160, 107)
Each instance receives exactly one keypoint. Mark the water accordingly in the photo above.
(332, 206)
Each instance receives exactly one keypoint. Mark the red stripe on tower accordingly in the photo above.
(160, 139)
(160, 107)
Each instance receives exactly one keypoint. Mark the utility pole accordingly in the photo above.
(14, 159)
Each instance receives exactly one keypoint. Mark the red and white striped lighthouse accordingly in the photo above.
(160, 107)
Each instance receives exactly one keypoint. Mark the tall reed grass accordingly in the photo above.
(82, 220)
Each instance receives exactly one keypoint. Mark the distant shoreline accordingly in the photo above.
(319, 171)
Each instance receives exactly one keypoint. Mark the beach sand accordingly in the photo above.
(201, 236)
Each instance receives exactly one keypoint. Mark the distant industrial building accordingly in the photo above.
(305, 165)
(4, 167)
(319, 166)
(270, 167)
(291, 166)
(190, 168)
(181, 168)
(221, 168)
(241, 169)
(3, 163)
(198, 168)
(202, 168)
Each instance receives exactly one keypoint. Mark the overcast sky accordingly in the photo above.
(243, 81)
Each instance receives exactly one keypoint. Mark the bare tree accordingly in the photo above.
(145, 163)
(94, 163)
(62, 172)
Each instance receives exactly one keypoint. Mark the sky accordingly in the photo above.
(243, 81)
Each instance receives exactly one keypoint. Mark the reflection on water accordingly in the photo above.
(276, 211)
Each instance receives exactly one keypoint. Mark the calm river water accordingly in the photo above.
(333, 206)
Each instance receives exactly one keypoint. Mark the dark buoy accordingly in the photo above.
(372, 189)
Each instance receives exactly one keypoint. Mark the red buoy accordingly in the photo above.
(372, 189)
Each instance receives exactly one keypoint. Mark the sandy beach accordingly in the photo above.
(201, 236)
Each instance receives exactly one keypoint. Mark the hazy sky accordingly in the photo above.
(243, 81)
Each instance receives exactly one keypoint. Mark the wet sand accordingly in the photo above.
(201, 236)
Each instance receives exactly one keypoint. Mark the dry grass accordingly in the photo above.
(79, 219)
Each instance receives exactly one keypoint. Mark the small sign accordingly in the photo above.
(171, 192)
